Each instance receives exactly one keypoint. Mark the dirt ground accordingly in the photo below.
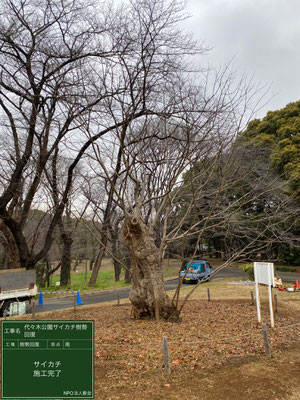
(216, 350)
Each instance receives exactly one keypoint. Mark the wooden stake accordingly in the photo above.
(266, 341)
(166, 355)
(118, 299)
(252, 298)
(33, 308)
(208, 294)
(74, 303)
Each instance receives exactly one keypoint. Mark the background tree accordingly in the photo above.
(256, 196)
(67, 224)
(278, 136)
(46, 50)
(279, 132)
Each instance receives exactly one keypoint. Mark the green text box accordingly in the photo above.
(77, 344)
(47, 359)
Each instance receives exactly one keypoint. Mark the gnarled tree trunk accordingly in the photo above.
(146, 272)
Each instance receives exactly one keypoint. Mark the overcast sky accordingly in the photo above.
(263, 37)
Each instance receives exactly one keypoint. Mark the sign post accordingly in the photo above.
(264, 275)
(257, 300)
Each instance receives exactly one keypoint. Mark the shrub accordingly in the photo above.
(249, 269)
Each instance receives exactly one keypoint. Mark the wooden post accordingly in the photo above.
(266, 340)
(275, 303)
(75, 303)
(252, 298)
(5, 314)
(156, 309)
(33, 308)
(208, 294)
(166, 355)
(271, 306)
(257, 301)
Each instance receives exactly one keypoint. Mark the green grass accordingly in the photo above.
(79, 281)
(105, 280)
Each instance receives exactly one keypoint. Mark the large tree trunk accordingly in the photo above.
(118, 269)
(96, 267)
(66, 261)
(146, 272)
(101, 251)
(12, 252)
(40, 275)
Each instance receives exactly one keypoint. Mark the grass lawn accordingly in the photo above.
(105, 280)
(79, 281)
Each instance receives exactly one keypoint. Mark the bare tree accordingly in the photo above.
(152, 73)
(161, 206)
(45, 54)
(67, 224)
(67, 65)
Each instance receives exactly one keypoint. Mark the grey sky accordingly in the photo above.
(263, 37)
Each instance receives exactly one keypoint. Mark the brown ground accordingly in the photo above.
(216, 351)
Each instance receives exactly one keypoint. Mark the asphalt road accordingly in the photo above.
(59, 303)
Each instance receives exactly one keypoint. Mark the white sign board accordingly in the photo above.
(264, 274)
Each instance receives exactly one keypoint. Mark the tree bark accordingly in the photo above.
(117, 268)
(126, 261)
(146, 272)
(92, 260)
(66, 261)
(13, 257)
(96, 267)
(40, 275)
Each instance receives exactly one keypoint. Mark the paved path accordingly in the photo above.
(59, 303)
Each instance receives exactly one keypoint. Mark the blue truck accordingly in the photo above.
(194, 271)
